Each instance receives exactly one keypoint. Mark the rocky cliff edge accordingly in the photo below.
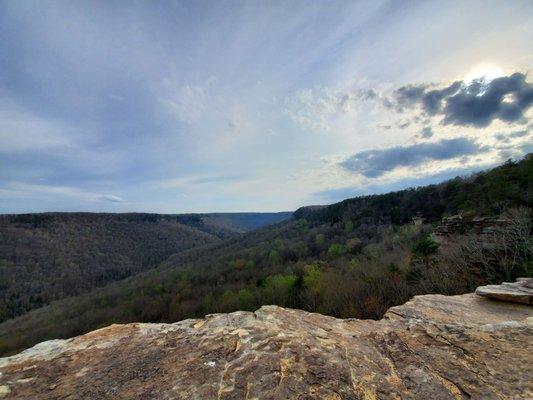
(432, 347)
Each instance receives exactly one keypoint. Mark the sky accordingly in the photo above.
(204, 106)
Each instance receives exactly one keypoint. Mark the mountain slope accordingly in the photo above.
(484, 193)
(240, 222)
(347, 260)
(45, 257)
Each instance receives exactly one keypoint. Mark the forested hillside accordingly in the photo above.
(486, 193)
(242, 222)
(44, 257)
(351, 259)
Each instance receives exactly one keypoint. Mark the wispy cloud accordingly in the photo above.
(188, 103)
(16, 190)
(21, 130)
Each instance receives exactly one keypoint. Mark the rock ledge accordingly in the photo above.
(432, 347)
(520, 291)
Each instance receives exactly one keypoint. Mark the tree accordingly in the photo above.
(337, 250)
(279, 290)
(228, 301)
(423, 250)
(506, 251)
(274, 257)
(312, 286)
(245, 300)
(425, 247)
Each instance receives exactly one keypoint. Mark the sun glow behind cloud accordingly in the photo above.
(484, 71)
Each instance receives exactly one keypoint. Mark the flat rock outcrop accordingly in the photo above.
(520, 291)
(432, 347)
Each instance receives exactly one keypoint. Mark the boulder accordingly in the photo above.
(520, 291)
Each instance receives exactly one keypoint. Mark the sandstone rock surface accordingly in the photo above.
(520, 291)
(433, 347)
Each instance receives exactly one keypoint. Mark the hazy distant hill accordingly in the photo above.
(48, 256)
(234, 222)
(355, 258)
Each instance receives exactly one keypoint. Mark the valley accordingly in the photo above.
(355, 258)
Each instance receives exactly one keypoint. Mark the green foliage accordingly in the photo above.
(158, 288)
(311, 279)
(238, 263)
(348, 227)
(279, 289)
(425, 247)
(245, 300)
(527, 269)
(300, 249)
(274, 257)
(393, 268)
(228, 301)
(414, 275)
(337, 250)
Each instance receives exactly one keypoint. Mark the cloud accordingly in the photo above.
(477, 103)
(20, 190)
(512, 137)
(105, 99)
(374, 163)
(188, 104)
(429, 99)
(216, 179)
(505, 98)
(317, 110)
(337, 194)
(20, 130)
(427, 132)
(111, 198)
(404, 124)
(518, 134)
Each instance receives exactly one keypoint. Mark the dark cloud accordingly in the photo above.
(503, 98)
(374, 163)
(431, 100)
(477, 103)
(408, 95)
(507, 137)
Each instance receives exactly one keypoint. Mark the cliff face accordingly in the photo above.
(433, 347)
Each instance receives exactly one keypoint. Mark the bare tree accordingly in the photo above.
(499, 251)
